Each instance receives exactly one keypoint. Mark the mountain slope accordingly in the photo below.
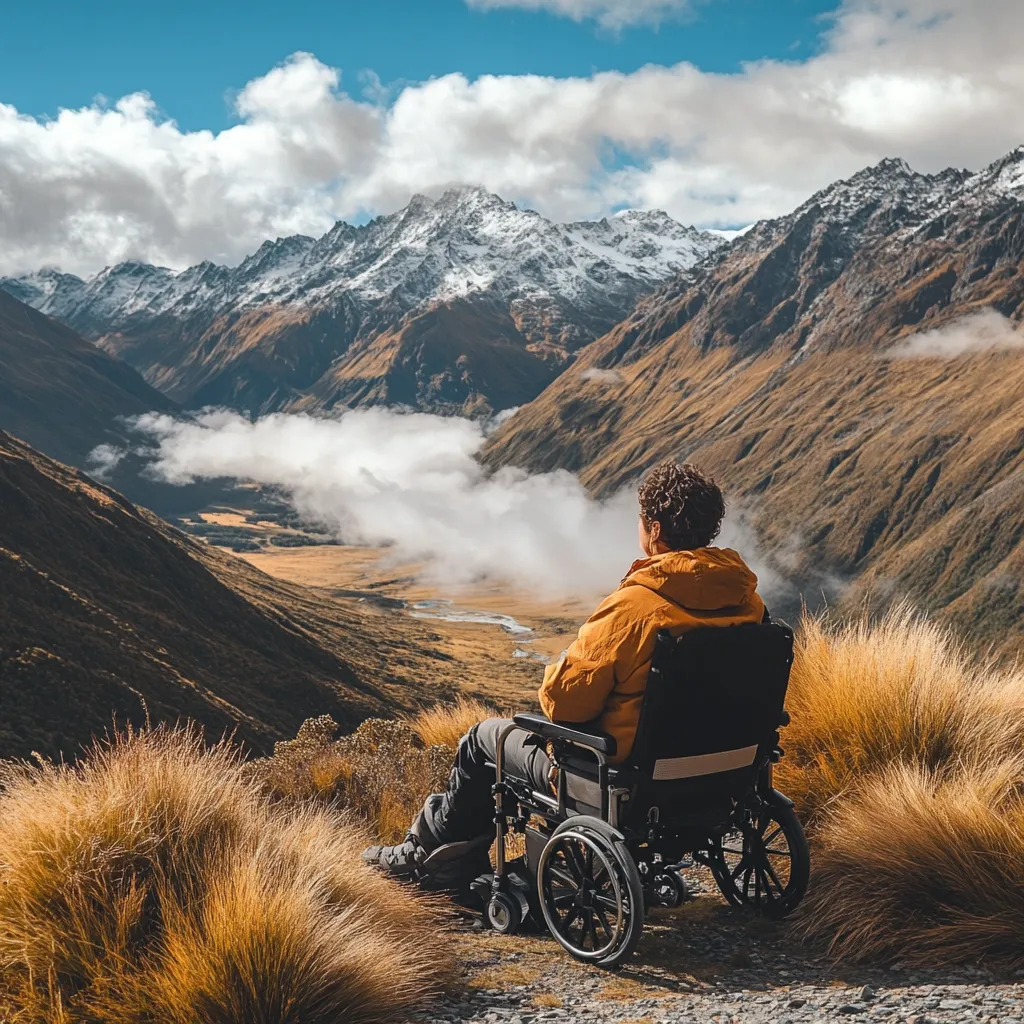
(106, 611)
(775, 369)
(458, 357)
(60, 392)
(301, 313)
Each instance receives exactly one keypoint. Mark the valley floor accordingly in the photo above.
(494, 639)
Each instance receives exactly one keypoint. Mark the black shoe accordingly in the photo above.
(401, 860)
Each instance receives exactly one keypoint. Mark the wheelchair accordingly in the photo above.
(610, 841)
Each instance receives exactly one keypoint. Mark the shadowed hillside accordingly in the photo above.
(456, 358)
(107, 611)
(773, 369)
(60, 392)
(66, 397)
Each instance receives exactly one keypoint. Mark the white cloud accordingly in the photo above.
(935, 81)
(411, 480)
(978, 332)
(611, 14)
(600, 376)
(104, 459)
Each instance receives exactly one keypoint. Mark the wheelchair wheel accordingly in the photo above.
(590, 891)
(504, 914)
(765, 864)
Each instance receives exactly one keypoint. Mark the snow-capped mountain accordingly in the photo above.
(891, 199)
(775, 274)
(202, 333)
(867, 260)
(853, 373)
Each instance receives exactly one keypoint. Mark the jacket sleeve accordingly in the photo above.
(576, 688)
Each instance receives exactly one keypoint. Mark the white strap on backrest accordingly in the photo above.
(703, 764)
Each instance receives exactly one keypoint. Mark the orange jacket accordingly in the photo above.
(603, 674)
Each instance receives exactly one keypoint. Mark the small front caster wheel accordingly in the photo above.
(504, 913)
(670, 888)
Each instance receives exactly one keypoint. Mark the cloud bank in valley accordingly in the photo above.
(935, 81)
(377, 476)
(983, 331)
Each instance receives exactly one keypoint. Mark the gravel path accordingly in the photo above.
(708, 963)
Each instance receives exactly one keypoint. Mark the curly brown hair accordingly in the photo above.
(686, 502)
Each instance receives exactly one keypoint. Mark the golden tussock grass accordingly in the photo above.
(622, 988)
(154, 882)
(443, 725)
(925, 868)
(905, 759)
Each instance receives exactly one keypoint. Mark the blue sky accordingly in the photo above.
(189, 54)
(223, 124)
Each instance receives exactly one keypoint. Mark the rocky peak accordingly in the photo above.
(1006, 175)
(38, 288)
(277, 256)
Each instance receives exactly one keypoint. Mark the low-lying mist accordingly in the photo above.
(411, 480)
(982, 331)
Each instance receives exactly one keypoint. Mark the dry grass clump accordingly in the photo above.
(905, 758)
(443, 725)
(383, 771)
(154, 882)
(925, 868)
(867, 695)
(547, 1001)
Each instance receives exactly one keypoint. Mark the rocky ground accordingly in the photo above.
(708, 963)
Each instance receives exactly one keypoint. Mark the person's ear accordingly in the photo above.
(654, 531)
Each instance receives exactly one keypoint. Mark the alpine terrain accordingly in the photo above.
(463, 304)
(107, 613)
(854, 372)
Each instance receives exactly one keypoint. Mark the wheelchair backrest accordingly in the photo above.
(710, 714)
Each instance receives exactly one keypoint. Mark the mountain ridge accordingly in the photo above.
(191, 334)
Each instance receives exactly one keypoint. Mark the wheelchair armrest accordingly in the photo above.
(574, 732)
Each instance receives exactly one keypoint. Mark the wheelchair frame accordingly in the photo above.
(637, 882)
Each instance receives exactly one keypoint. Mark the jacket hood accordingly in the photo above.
(704, 579)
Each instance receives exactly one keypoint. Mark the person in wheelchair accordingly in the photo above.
(682, 583)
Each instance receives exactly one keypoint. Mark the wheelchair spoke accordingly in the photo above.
(746, 879)
(572, 860)
(770, 872)
(767, 839)
(606, 927)
(607, 902)
(559, 875)
(591, 930)
(564, 899)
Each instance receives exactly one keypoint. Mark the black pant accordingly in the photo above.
(465, 810)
